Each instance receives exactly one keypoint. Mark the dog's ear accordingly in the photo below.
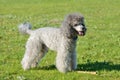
(68, 19)
(66, 28)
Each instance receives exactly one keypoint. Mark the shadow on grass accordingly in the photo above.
(49, 67)
(90, 66)
(96, 66)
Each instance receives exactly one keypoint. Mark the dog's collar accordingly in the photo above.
(75, 38)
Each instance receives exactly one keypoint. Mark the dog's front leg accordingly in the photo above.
(65, 61)
(74, 61)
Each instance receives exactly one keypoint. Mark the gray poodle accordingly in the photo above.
(62, 40)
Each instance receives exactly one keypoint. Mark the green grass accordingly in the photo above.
(98, 51)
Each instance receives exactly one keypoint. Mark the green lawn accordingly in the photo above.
(98, 51)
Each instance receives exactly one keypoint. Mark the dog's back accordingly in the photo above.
(49, 36)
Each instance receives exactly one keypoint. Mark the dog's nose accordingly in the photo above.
(84, 28)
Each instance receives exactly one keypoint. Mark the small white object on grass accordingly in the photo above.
(88, 72)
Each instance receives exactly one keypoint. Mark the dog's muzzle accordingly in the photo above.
(81, 30)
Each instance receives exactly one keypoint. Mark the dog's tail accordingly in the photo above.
(25, 28)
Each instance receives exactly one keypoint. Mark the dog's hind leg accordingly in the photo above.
(33, 48)
(41, 54)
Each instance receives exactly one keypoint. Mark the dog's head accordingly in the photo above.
(76, 21)
(73, 25)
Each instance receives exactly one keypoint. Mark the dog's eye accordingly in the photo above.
(82, 24)
(75, 24)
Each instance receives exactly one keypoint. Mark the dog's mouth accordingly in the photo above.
(81, 33)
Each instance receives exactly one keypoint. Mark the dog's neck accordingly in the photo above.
(75, 38)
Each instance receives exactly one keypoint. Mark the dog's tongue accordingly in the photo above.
(81, 33)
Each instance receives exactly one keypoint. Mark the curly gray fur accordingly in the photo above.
(25, 28)
(62, 40)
